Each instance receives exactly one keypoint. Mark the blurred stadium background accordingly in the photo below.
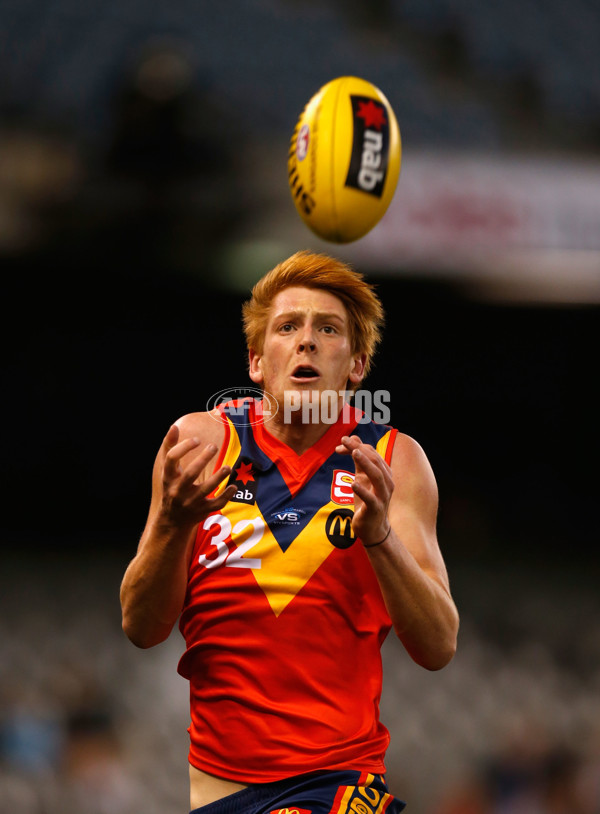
(143, 190)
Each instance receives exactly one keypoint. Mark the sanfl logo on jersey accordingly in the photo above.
(341, 487)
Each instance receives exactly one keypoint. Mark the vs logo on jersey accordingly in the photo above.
(244, 479)
(289, 516)
(341, 487)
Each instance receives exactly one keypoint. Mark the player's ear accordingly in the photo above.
(357, 371)
(255, 367)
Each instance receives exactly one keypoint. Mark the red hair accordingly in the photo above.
(305, 268)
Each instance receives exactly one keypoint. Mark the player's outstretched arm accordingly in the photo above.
(398, 504)
(155, 583)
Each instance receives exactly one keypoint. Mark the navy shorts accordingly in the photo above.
(335, 792)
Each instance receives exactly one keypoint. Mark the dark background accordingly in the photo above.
(128, 162)
(503, 399)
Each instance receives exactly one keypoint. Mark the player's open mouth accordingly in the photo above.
(305, 373)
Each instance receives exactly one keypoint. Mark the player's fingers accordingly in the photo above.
(175, 454)
(201, 504)
(211, 483)
(367, 495)
(172, 437)
(350, 441)
(218, 502)
(371, 462)
(372, 476)
(195, 467)
(353, 443)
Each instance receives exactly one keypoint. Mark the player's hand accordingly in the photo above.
(373, 487)
(185, 495)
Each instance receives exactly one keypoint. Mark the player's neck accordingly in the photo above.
(298, 436)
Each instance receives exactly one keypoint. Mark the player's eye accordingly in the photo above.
(329, 329)
(286, 328)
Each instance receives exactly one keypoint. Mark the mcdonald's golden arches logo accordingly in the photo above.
(291, 811)
(338, 528)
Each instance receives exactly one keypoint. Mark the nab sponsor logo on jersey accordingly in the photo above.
(242, 477)
(370, 146)
(341, 487)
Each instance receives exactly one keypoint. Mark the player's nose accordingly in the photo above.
(307, 338)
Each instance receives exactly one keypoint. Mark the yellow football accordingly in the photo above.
(344, 159)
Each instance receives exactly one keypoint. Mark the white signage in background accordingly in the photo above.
(516, 227)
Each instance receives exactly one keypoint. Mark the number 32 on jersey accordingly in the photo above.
(224, 556)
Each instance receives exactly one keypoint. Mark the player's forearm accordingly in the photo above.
(154, 585)
(422, 611)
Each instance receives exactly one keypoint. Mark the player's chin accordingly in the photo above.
(301, 392)
(304, 383)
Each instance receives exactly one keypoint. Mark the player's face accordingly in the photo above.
(306, 345)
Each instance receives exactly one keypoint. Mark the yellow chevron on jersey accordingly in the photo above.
(280, 525)
(283, 617)
(280, 574)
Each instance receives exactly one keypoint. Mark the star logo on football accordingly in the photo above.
(372, 114)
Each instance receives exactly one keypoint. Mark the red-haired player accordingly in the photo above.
(288, 548)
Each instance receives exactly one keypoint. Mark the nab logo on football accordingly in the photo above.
(242, 477)
(370, 146)
(338, 528)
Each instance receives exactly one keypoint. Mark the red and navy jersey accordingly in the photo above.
(284, 618)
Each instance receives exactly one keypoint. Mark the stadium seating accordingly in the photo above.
(69, 679)
(266, 59)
